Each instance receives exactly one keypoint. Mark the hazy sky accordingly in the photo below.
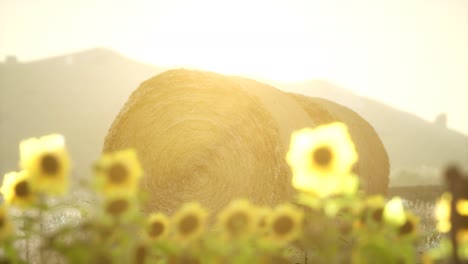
(412, 54)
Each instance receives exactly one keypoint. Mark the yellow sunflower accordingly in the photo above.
(189, 222)
(394, 213)
(462, 236)
(48, 162)
(371, 212)
(462, 207)
(17, 191)
(157, 226)
(238, 219)
(321, 160)
(6, 226)
(410, 226)
(285, 223)
(119, 206)
(141, 254)
(442, 213)
(118, 172)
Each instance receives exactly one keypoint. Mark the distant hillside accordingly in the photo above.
(412, 143)
(80, 94)
(77, 95)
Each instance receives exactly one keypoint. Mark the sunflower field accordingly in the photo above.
(330, 220)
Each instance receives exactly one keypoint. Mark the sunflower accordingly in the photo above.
(16, 189)
(119, 206)
(321, 160)
(285, 223)
(189, 222)
(410, 226)
(462, 207)
(238, 219)
(118, 171)
(371, 212)
(394, 213)
(6, 226)
(157, 226)
(442, 213)
(140, 254)
(48, 162)
(462, 235)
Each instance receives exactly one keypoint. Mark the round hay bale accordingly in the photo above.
(210, 138)
(373, 166)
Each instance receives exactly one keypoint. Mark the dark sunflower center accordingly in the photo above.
(117, 207)
(50, 164)
(322, 156)
(140, 255)
(118, 173)
(188, 224)
(22, 189)
(237, 222)
(156, 229)
(377, 215)
(282, 225)
(407, 228)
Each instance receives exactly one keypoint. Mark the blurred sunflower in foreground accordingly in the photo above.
(442, 213)
(120, 207)
(462, 209)
(157, 226)
(371, 213)
(16, 189)
(285, 224)
(394, 212)
(48, 162)
(321, 160)
(118, 171)
(238, 219)
(410, 226)
(395, 215)
(189, 222)
(6, 227)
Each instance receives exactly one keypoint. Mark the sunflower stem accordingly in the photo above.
(26, 241)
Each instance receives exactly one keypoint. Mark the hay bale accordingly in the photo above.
(211, 138)
(373, 165)
(206, 137)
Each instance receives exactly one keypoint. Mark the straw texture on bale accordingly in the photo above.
(373, 166)
(211, 138)
(200, 136)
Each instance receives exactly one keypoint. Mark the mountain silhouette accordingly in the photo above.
(79, 94)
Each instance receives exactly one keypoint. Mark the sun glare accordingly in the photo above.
(240, 38)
